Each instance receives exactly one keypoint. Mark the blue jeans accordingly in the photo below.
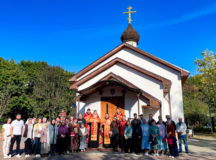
(180, 137)
(17, 139)
(37, 146)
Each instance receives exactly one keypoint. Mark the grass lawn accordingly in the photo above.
(205, 135)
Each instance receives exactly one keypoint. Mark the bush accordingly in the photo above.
(202, 129)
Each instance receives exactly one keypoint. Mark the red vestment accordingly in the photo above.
(106, 132)
(119, 116)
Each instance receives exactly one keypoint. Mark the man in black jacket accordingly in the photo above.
(136, 135)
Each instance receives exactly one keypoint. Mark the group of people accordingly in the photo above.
(61, 135)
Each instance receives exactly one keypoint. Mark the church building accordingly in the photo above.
(132, 80)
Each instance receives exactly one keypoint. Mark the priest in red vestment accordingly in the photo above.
(87, 116)
(106, 131)
(118, 114)
(94, 122)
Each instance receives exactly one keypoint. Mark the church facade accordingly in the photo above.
(132, 80)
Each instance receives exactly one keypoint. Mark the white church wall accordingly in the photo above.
(146, 83)
(159, 69)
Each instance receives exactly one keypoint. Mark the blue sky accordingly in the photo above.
(74, 33)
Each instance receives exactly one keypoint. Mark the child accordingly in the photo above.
(83, 137)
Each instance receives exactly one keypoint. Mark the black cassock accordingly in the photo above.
(93, 144)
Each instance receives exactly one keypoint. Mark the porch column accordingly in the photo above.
(78, 106)
(138, 102)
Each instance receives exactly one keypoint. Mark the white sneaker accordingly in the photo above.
(5, 156)
(157, 155)
(38, 155)
(18, 156)
(9, 156)
(28, 155)
(146, 154)
(171, 157)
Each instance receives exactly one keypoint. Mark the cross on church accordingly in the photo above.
(129, 13)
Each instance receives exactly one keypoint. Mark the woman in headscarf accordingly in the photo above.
(36, 136)
(162, 129)
(45, 137)
(83, 137)
(75, 130)
(145, 137)
(155, 137)
(62, 139)
(53, 130)
(128, 135)
(171, 138)
(27, 137)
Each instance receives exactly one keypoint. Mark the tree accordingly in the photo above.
(207, 68)
(33, 89)
(195, 109)
(51, 91)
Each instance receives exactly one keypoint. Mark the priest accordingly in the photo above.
(94, 122)
(106, 131)
(87, 116)
(118, 115)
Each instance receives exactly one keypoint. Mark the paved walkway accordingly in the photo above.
(199, 149)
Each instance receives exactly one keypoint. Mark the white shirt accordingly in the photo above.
(181, 128)
(17, 127)
(7, 128)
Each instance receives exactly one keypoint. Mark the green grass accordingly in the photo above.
(0, 128)
(205, 135)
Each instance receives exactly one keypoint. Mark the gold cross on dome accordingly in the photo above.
(129, 13)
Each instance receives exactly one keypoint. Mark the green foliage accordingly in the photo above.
(34, 89)
(207, 69)
(195, 110)
(202, 129)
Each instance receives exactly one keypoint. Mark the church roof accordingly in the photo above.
(165, 82)
(130, 34)
(184, 73)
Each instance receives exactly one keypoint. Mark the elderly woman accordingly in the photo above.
(162, 129)
(127, 135)
(83, 136)
(53, 131)
(154, 137)
(62, 139)
(75, 130)
(145, 146)
(44, 137)
(27, 137)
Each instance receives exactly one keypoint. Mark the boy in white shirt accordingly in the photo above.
(16, 134)
(6, 137)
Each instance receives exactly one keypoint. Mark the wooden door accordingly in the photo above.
(110, 104)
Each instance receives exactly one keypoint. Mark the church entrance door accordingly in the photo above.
(110, 104)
